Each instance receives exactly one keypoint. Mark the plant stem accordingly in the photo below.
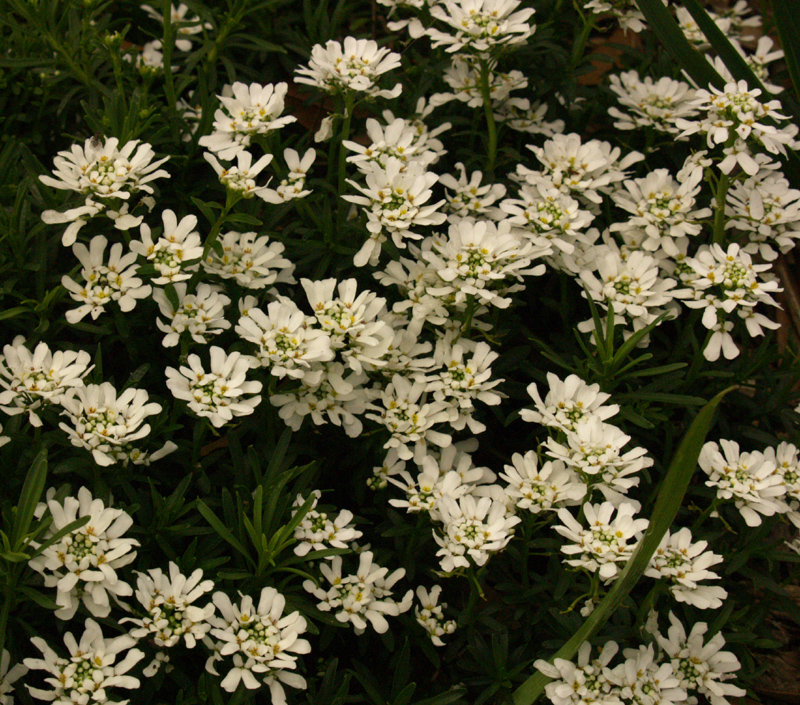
(232, 199)
(489, 112)
(343, 206)
(467, 327)
(719, 209)
(169, 85)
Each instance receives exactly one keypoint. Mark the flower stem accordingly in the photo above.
(719, 209)
(232, 199)
(465, 329)
(489, 112)
(345, 134)
(169, 84)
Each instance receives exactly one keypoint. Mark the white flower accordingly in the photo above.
(464, 77)
(8, 677)
(523, 116)
(469, 198)
(171, 616)
(316, 532)
(466, 378)
(786, 458)
(104, 423)
(186, 25)
(474, 528)
(725, 280)
(483, 260)
(603, 546)
(252, 260)
(642, 680)
(567, 402)
(251, 110)
(692, 31)
(288, 343)
(394, 199)
(362, 599)
(82, 564)
(551, 220)
(262, 640)
(427, 138)
(583, 170)
(586, 682)
(634, 287)
(747, 478)
(178, 245)
(294, 185)
(107, 177)
(353, 321)
(354, 65)
(329, 398)
(626, 11)
(103, 283)
(150, 60)
(430, 614)
(767, 210)
(650, 103)
(684, 564)
(480, 26)
(220, 394)
(734, 114)
(409, 418)
(430, 485)
(701, 667)
(201, 314)
(35, 379)
(399, 140)
(541, 489)
(663, 207)
(91, 668)
(595, 450)
(241, 178)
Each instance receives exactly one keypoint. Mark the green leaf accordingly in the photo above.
(29, 497)
(668, 502)
(38, 598)
(683, 53)
(222, 530)
(785, 13)
(243, 218)
(205, 209)
(13, 312)
(61, 533)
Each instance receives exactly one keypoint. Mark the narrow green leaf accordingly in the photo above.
(668, 502)
(222, 530)
(243, 218)
(205, 209)
(785, 13)
(630, 344)
(286, 531)
(732, 59)
(63, 531)
(13, 312)
(38, 598)
(31, 493)
(683, 53)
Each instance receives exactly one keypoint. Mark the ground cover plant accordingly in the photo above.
(397, 352)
